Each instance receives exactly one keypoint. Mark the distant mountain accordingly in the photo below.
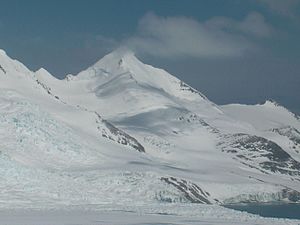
(125, 133)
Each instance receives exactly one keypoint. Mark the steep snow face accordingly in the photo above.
(118, 65)
(10, 67)
(15, 75)
(121, 81)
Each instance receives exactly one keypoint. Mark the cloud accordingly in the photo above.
(254, 25)
(181, 36)
(282, 7)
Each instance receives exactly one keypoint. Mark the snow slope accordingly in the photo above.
(121, 81)
(271, 121)
(125, 134)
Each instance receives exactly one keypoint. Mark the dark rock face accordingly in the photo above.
(260, 153)
(291, 195)
(186, 87)
(44, 86)
(2, 69)
(193, 118)
(47, 89)
(113, 133)
(286, 195)
(192, 192)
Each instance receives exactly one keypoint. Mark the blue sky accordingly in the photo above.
(231, 50)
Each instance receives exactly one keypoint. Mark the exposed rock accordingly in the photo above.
(291, 195)
(290, 132)
(260, 152)
(287, 195)
(113, 133)
(186, 87)
(192, 192)
(2, 69)
(195, 119)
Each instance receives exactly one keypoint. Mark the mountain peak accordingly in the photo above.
(117, 58)
(271, 102)
(42, 71)
(2, 52)
(116, 62)
(121, 73)
(44, 75)
(12, 66)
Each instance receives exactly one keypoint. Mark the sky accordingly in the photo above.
(233, 51)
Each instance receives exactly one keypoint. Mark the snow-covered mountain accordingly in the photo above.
(122, 133)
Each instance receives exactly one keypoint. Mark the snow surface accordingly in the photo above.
(124, 136)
